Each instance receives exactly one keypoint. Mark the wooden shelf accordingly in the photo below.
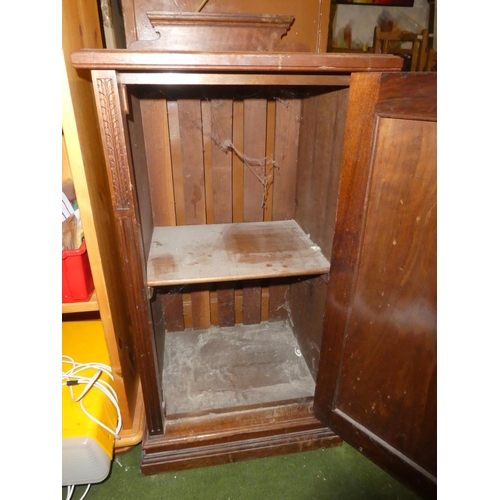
(181, 255)
(78, 307)
(233, 367)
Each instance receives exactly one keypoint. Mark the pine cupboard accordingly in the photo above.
(276, 219)
(83, 162)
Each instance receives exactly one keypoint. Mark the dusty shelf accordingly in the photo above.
(237, 366)
(228, 252)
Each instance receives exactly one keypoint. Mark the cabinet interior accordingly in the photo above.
(237, 192)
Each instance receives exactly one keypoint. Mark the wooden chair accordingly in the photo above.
(394, 42)
(431, 60)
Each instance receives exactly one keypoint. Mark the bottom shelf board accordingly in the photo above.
(243, 365)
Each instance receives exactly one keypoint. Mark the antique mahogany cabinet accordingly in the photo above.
(276, 213)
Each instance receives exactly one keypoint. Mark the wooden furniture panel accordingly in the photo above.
(283, 183)
(319, 158)
(254, 190)
(152, 67)
(397, 278)
(130, 137)
(85, 164)
(119, 151)
(263, 162)
(320, 154)
(220, 165)
(360, 161)
(220, 125)
(310, 27)
(156, 133)
(377, 374)
(230, 252)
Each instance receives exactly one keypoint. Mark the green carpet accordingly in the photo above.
(339, 473)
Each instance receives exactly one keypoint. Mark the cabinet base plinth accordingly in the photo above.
(257, 433)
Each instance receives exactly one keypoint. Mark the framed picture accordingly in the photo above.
(388, 3)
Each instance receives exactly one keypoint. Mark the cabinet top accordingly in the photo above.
(234, 62)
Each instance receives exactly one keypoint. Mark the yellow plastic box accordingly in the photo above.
(87, 448)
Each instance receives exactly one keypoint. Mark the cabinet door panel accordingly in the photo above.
(378, 369)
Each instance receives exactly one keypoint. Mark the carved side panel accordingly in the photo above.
(113, 137)
(132, 254)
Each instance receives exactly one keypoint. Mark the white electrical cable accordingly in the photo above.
(71, 489)
(73, 377)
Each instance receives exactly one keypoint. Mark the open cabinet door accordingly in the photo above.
(377, 375)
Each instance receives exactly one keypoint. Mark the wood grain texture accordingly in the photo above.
(135, 142)
(191, 144)
(129, 239)
(176, 156)
(254, 159)
(226, 305)
(238, 165)
(187, 307)
(360, 125)
(318, 174)
(319, 165)
(397, 284)
(143, 322)
(279, 297)
(229, 252)
(173, 311)
(240, 436)
(306, 311)
(66, 167)
(159, 166)
(200, 300)
(255, 419)
(200, 77)
(157, 144)
(269, 155)
(245, 62)
(206, 128)
(157, 319)
(186, 140)
(286, 142)
(310, 27)
(252, 297)
(215, 32)
(254, 190)
(419, 102)
(377, 376)
(219, 120)
(221, 129)
(288, 119)
(83, 160)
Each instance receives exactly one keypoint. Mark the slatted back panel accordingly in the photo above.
(213, 158)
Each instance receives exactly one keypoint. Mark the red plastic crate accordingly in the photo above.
(77, 282)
